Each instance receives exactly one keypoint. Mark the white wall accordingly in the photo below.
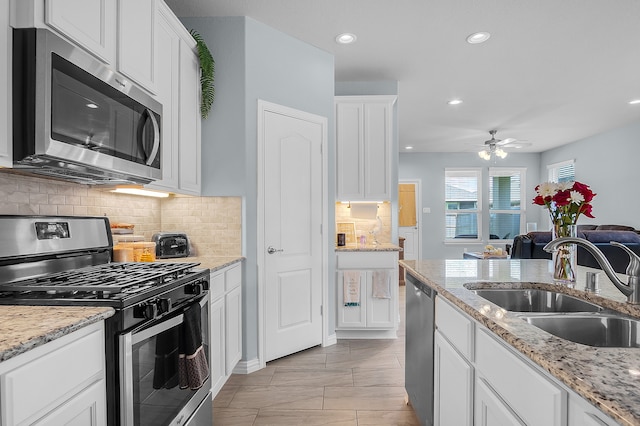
(254, 61)
(610, 164)
(430, 167)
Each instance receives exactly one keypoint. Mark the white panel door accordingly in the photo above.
(6, 107)
(292, 229)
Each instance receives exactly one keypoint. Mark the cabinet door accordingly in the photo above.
(218, 365)
(136, 41)
(490, 410)
(233, 329)
(89, 408)
(377, 151)
(6, 133)
(190, 157)
(168, 79)
(349, 151)
(89, 23)
(380, 312)
(453, 381)
(352, 316)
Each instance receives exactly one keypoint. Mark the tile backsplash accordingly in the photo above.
(343, 214)
(213, 224)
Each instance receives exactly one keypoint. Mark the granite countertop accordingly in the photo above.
(214, 263)
(369, 247)
(607, 377)
(23, 328)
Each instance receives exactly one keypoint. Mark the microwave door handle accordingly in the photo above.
(156, 138)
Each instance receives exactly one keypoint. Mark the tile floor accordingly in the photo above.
(355, 382)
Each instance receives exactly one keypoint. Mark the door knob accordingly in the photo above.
(272, 250)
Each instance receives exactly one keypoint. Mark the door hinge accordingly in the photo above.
(320, 229)
(320, 310)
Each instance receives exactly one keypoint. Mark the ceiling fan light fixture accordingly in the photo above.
(485, 155)
(346, 38)
(500, 153)
(479, 37)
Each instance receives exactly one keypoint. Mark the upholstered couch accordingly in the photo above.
(530, 246)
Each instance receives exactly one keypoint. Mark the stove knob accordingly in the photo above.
(164, 306)
(147, 310)
(205, 284)
(193, 288)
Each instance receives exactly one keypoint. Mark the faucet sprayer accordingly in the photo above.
(631, 290)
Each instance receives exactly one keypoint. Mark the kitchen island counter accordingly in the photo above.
(607, 377)
(368, 247)
(23, 328)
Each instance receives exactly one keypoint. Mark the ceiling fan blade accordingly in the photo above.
(505, 141)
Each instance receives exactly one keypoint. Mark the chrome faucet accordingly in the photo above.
(632, 289)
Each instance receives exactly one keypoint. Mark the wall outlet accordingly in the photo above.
(426, 210)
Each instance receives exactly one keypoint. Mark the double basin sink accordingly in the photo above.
(568, 317)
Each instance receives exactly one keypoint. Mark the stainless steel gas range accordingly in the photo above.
(161, 313)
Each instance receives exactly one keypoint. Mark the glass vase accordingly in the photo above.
(565, 258)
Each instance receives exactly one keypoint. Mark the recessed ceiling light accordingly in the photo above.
(479, 37)
(455, 102)
(92, 105)
(346, 38)
(634, 102)
(408, 147)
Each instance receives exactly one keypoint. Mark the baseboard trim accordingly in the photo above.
(247, 367)
(332, 339)
(366, 334)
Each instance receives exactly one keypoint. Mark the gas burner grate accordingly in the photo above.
(107, 278)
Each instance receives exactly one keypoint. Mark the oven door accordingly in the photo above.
(149, 390)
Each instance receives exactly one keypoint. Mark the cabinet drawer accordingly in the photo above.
(532, 397)
(367, 260)
(216, 285)
(457, 327)
(68, 370)
(233, 277)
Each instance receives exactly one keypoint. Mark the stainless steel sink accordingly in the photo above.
(535, 300)
(601, 330)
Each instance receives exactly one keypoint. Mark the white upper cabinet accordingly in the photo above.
(136, 41)
(120, 33)
(189, 110)
(364, 141)
(178, 74)
(89, 23)
(5, 87)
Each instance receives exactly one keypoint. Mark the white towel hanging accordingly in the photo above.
(351, 288)
(381, 284)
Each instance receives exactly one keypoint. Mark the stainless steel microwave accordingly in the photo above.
(75, 118)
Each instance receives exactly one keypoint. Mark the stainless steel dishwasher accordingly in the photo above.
(418, 379)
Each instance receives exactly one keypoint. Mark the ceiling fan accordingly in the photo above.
(493, 147)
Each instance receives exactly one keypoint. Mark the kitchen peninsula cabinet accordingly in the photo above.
(60, 382)
(6, 134)
(373, 317)
(226, 323)
(364, 135)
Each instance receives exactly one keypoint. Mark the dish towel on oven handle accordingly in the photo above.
(193, 369)
(381, 284)
(351, 288)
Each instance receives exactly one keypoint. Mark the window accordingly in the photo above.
(463, 203)
(562, 172)
(506, 192)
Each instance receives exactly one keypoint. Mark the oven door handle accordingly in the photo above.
(156, 329)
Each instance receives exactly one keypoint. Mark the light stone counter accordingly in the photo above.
(368, 247)
(608, 377)
(26, 327)
(214, 263)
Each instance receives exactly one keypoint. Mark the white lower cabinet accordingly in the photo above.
(480, 380)
(59, 383)
(375, 315)
(582, 413)
(453, 384)
(226, 323)
(490, 410)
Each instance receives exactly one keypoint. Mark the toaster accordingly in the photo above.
(170, 245)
